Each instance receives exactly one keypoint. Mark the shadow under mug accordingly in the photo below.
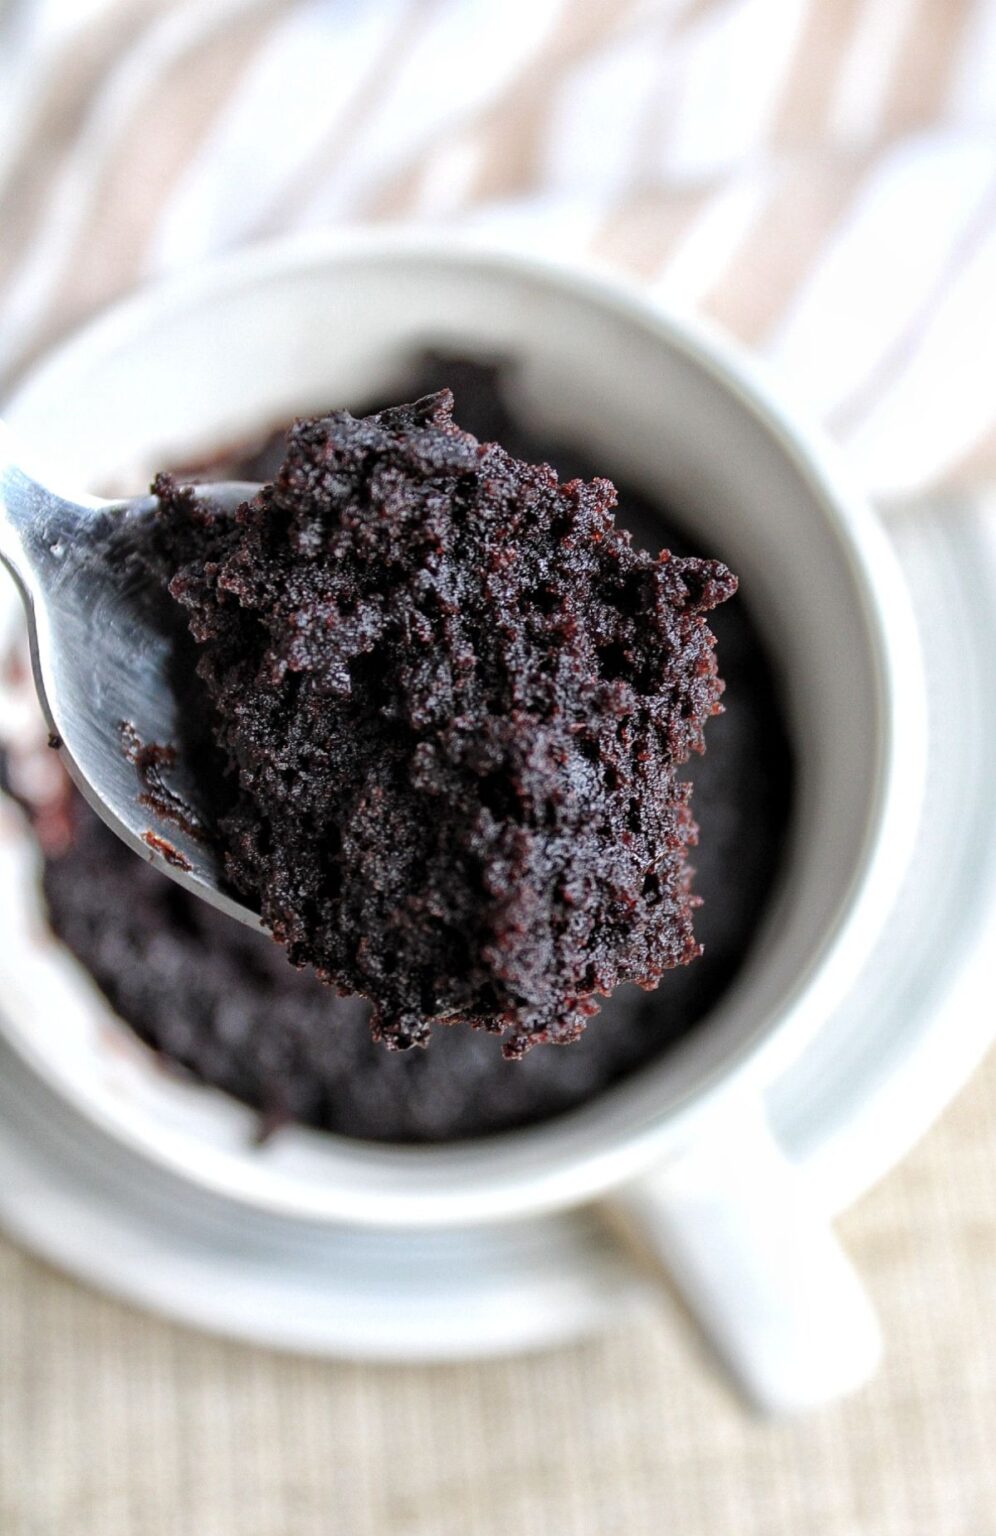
(680, 1154)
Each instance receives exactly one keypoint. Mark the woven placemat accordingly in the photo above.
(113, 1423)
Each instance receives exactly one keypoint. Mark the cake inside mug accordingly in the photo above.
(527, 687)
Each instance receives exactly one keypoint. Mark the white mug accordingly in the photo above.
(680, 1153)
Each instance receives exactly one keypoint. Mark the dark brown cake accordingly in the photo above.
(220, 1002)
(454, 701)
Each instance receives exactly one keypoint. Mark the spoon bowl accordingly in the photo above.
(104, 653)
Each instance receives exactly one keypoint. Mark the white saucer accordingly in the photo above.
(883, 1068)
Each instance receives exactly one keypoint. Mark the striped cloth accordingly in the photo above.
(817, 175)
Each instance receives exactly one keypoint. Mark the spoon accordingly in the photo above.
(103, 657)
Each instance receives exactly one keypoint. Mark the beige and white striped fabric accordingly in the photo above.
(818, 175)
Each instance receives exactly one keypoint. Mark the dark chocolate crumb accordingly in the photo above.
(152, 761)
(170, 854)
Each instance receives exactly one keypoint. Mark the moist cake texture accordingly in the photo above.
(454, 702)
(219, 1003)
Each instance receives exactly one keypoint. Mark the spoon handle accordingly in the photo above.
(37, 525)
(13, 501)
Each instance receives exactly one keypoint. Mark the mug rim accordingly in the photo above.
(554, 1164)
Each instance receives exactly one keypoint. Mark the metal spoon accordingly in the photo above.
(104, 662)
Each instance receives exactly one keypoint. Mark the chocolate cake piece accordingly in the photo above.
(219, 1002)
(454, 700)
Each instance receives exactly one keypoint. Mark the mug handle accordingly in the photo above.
(758, 1265)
